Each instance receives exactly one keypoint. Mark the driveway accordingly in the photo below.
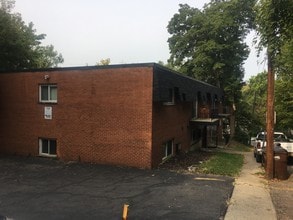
(40, 188)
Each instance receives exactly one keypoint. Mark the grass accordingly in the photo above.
(236, 146)
(222, 163)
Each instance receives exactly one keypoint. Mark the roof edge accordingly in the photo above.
(182, 75)
(111, 66)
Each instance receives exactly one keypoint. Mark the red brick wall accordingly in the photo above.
(102, 115)
(170, 123)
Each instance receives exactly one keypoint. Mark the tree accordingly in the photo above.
(104, 62)
(275, 27)
(284, 102)
(20, 46)
(254, 92)
(209, 44)
(254, 101)
(251, 116)
(168, 65)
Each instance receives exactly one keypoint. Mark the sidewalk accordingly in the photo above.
(282, 195)
(251, 198)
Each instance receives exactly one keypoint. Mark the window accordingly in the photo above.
(194, 109)
(215, 102)
(209, 98)
(199, 98)
(48, 147)
(168, 149)
(48, 93)
(170, 100)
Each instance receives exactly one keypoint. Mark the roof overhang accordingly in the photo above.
(205, 121)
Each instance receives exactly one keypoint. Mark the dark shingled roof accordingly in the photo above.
(184, 86)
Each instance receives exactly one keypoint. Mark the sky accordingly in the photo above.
(128, 31)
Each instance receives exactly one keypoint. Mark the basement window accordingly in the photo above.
(168, 149)
(48, 93)
(47, 147)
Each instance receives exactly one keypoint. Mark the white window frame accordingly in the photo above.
(41, 153)
(195, 109)
(49, 100)
(166, 155)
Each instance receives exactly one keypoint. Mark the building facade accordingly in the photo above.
(133, 115)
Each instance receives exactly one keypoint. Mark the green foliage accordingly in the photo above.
(284, 102)
(223, 164)
(275, 27)
(251, 108)
(104, 62)
(252, 114)
(247, 124)
(47, 57)
(254, 95)
(20, 45)
(239, 147)
(168, 65)
(285, 59)
(244, 127)
(208, 44)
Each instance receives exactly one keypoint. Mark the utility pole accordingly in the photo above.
(270, 120)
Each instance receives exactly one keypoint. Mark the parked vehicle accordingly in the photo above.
(285, 143)
(258, 143)
(280, 139)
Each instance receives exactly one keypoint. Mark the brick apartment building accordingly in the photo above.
(135, 114)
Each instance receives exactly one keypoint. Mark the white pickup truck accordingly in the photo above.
(259, 143)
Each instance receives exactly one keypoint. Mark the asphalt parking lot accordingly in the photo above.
(39, 188)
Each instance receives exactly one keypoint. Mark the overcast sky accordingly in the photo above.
(128, 31)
